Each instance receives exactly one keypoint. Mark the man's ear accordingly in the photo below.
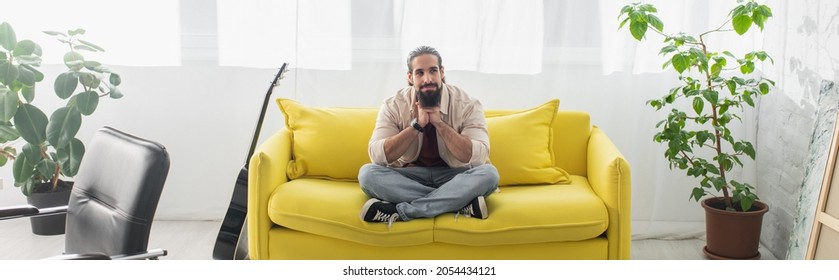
(410, 77)
(442, 73)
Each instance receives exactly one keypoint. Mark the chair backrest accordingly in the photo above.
(115, 195)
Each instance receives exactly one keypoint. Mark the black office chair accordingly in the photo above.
(113, 200)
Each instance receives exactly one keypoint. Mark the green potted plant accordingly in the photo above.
(714, 87)
(50, 151)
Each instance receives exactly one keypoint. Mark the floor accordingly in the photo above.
(193, 240)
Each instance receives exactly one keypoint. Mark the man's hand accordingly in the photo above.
(428, 115)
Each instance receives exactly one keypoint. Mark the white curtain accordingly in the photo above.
(136, 33)
(266, 33)
(507, 53)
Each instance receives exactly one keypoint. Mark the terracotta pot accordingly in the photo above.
(54, 224)
(730, 234)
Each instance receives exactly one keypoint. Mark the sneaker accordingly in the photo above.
(476, 209)
(375, 210)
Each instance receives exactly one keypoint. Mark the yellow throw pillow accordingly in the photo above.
(327, 143)
(521, 146)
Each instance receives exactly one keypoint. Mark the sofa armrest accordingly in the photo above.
(609, 176)
(266, 171)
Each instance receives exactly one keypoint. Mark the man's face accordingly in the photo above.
(427, 79)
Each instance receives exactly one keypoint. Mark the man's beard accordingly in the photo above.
(429, 99)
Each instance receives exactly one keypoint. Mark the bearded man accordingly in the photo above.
(429, 150)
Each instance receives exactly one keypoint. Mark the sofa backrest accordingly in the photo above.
(325, 145)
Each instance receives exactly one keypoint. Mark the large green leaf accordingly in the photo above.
(680, 62)
(31, 152)
(46, 167)
(89, 80)
(8, 40)
(87, 102)
(8, 73)
(25, 76)
(73, 155)
(23, 169)
(28, 93)
(27, 47)
(65, 84)
(8, 105)
(63, 126)
(8, 133)
(74, 61)
(31, 122)
(741, 24)
(38, 75)
(638, 29)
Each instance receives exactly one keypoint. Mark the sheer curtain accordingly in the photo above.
(123, 28)
(508, 53)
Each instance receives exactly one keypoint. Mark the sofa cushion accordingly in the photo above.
(531, 214)
(327, 143)
(521, 146)
(331, 208)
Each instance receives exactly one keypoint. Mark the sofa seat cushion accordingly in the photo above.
(530, 214)
(331, 208)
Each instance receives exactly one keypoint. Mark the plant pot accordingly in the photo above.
(54, 224)
(732, 234)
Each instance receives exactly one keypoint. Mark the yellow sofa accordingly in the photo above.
(304, 199)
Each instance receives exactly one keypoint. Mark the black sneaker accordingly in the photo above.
(375, 210)
(476, 209)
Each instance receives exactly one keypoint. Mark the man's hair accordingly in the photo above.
(421, 50)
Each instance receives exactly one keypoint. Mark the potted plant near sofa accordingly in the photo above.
(50, 150)
(714, 86)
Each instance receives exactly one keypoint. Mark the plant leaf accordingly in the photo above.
(8, 40)
(698, 105)
(8, 104)
(92, 45)
(8, 73)
(63, 126)
(31, 122)
(9, 134)
(638, 29)
(655, 22)
(46, 167)
(27, 47)
(680, 62)
(25, 76)
(74, 61)
(741, 24)
(74, 153)
(28, 93)
(86, 102)
(65, 84)
(55, 33)
(89, 80)
(115, 79)
(23, 169)
(31, 152)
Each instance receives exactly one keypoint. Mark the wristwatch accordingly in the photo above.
(417, 126)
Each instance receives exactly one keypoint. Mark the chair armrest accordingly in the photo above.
(150, 254)
(266, 171)
(23, 211)
(79, 257)
(609, 176)
(17, 211)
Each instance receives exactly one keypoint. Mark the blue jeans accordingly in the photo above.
(423, 192)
